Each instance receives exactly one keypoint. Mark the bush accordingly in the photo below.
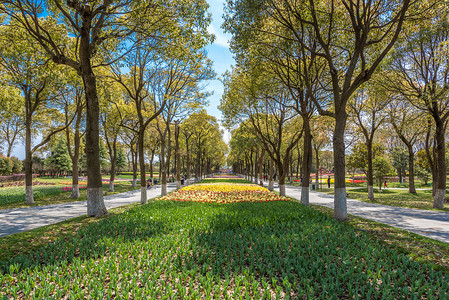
(6, 165)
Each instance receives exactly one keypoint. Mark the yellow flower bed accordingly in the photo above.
(224, 187)
(224, 193)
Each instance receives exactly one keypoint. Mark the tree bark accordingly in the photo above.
(143, 181)
(95, 202)
(440, 163)
(340, 206)
(370, 179)
(163, 170)
(29, 198)
(306, 161)
(411, 170)
(178, 157)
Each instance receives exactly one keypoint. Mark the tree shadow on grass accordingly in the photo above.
(283, 249)
(96, 239)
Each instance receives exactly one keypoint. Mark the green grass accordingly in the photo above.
(421, 200)
(196, 250)
(418, 247)
(14, 197)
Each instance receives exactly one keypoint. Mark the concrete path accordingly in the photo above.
(22, 219)
(433, 224)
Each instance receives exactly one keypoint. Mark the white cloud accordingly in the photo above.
(220, 37)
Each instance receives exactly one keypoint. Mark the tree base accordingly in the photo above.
(75, 191)
(95, 203)
(143, 195)
(163, 189)
(305, 195)
(111, 186)
(282, 190)
(340, 205)
(438, 199)
(29, 196)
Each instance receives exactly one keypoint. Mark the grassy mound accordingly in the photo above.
(185, 249)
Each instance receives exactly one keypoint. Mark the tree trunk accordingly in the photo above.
(143, 181)
(29, 198)
(440, 163)
(95, 202)
(163, 170)
(134, 163)
(270, 177)
(306, 161)
(317, 176)
(411, 170)
(283, 172)
(151, 166)
(75, 163)
(188, 166)
(340, 206)
(261, 167)
(370, 179)
(178, 157)
(113, 158)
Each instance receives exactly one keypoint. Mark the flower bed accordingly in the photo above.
(224, 193)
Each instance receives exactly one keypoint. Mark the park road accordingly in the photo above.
(433, 224)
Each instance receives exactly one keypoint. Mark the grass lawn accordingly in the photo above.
(421, 200)
(169, 249)
(14, 197)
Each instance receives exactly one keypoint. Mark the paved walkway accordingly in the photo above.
(22, 219)
(433, 224)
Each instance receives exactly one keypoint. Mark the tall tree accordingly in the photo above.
(86, 35)
(371, 28)
(11, 114)
(28, 69)
(421, 75)
(366, 111)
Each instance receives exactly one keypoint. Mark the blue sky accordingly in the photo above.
(219, 53)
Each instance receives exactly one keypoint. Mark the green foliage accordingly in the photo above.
(219, 249)
(59, 159)
(121, 160)
(18, 165)
(399, 157)
(358, 159)
(422, 174)
(6, 165)
(381, 168)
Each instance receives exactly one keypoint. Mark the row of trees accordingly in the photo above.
(341, 60)
(94, 69)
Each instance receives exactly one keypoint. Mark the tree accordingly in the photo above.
(423, 174)
(59, 158)
(420, 74)
(366, 110)
(74, 106)
(11, 114)
(400, 158)
(407, 122)
(370, 30)
(27, 68)
(6, 165)
(258, 102)
(381, 168)
(86, 35)
(121, 161)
